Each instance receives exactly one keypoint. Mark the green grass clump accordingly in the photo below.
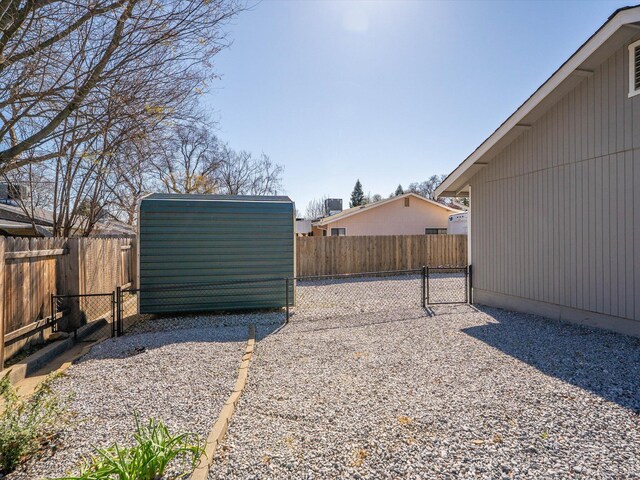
(26, 425)
(155, 448)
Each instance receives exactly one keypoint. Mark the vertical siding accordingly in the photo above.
(211, 243)
(557, 212)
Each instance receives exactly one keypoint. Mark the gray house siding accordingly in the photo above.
(555, 216)
(215, 243)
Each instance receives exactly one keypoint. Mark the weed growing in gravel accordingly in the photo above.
(404, 420)
(155, 448)
(26, 425)
(361, 455)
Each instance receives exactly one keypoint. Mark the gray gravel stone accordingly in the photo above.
(180, 374)
(464, 394)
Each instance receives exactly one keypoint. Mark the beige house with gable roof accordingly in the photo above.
(407, 214)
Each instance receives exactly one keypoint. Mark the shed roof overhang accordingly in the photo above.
(621, 27)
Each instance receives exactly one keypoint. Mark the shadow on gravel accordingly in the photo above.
(604, 363)
(346, 321)
(140, 342)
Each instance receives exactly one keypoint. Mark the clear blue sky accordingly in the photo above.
(387, 92)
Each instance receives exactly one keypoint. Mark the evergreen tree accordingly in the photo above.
(399, 191)
(357, 196)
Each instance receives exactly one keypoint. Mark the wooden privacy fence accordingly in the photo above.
(31, 269)
(359, 254)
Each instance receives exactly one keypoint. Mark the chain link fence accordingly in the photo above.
(357, 294)
(311, 297)
(224, 296)
(127, 308)
(395, 293)
(447, 285)
(75, 311)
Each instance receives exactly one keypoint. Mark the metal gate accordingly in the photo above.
(366, 293)
(78, 310)
(447, 285)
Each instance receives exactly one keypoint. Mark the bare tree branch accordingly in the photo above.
(58, 57)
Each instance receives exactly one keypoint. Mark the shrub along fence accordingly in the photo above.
(32, 269)
(360, 254)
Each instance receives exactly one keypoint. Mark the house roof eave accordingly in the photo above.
(354, 211)
(573, 71)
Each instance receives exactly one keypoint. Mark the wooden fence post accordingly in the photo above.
(134, 262)
(73, 283)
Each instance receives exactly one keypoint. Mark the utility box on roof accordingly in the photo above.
(214, 252)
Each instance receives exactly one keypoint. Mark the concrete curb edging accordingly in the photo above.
(22, 369)
(86, 349)
(219, 429)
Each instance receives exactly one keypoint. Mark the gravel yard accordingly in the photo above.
(462, 394)
(181, 376)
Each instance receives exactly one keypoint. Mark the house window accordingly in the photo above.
(406, 201)
(634, 68)
(435, 231)
(338, 232)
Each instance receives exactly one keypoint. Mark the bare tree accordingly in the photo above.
(427, 188)
(241, 174)
(133, 176)
(80, 177)
(59, 59)
(189, 160)
(84, 173)
(315, 208)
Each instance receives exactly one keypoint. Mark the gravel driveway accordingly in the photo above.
(462, 394)
(180, 371)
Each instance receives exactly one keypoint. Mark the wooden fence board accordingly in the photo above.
(31, 269)
(359, 254)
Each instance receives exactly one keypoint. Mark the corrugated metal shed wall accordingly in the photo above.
(556, 216)
(211, 239)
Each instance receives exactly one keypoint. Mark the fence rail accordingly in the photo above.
(360, 254)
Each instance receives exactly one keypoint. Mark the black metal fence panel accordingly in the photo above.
(323, 296)
(447, 285)
(75, 311)
(356, 294)
(214, 296)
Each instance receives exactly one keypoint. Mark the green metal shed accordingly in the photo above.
(214, 252)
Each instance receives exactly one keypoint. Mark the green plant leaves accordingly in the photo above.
(26, 424)
(155, 448)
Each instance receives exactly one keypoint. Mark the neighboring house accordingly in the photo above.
(555, 191)
(113, 228)
(15, 222)
(9, 228)
(408, 214)
(12, 212)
